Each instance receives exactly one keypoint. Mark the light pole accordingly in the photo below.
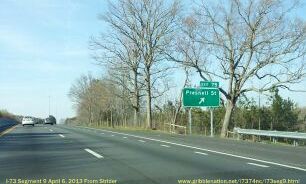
(49, 104)
(55, 109)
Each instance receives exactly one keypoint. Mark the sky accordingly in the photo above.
(44, 49)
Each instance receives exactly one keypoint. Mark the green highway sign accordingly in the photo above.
(209, 84)
(201, 97)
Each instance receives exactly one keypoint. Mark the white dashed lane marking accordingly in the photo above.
(259, 165)
(201, 153)
(93, 153)
(208, 150)
(165, 145)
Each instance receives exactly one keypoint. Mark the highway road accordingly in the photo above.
(60, 154)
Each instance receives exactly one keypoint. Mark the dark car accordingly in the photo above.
(50, 120)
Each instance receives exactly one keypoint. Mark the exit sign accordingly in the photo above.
(209, 84)
(201, 97)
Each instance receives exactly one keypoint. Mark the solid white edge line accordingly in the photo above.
(201, 153)
(93, 153)
(61, 135)
(259, 165)
(208, 150)
(165, 145)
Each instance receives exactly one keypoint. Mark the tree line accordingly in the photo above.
(99, 103)
(5, 114)
(250, 46)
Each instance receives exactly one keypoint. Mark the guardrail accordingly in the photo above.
(268, 133)
(174, 125)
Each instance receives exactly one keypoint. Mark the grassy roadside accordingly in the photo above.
(5, 131)
(151, 132)
(130, 129)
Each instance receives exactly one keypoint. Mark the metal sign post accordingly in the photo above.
(190, 120)
(211, 122)
(207, 95)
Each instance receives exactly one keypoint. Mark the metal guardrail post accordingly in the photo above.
(172, 130)
(295, 143)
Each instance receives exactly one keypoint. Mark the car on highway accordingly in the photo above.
(50, 120)
(27, 120)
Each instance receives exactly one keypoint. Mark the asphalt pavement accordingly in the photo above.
(65, 154)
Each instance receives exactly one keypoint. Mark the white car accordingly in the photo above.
(27, 121)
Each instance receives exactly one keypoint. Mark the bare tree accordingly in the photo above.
(92, 98)
(102, 94)
(81, 96)
(149, 25)
(122, 58)
(179, 104)
(250, 45)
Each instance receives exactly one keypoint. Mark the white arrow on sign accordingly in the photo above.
(202, 100)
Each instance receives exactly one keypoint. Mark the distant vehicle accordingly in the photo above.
(39, 121)
(50, 120)
(27, 121)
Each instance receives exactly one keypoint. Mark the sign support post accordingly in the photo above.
(190, 120)
(211, 122)
(208, 95)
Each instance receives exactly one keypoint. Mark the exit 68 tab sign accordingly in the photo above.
(201, 97)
